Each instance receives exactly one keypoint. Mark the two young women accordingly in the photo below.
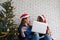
(25, 29)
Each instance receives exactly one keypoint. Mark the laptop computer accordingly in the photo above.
(39, 27)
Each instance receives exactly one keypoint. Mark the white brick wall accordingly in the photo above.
(50, 8)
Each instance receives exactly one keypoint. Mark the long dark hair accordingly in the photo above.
(40, 19)
(23, 23)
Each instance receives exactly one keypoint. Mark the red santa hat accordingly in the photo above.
(44, 18)
(25, 15)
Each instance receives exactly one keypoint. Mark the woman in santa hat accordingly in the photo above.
(25, 28)
(46, 36)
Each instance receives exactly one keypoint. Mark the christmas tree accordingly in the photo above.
(6, 19)
(6, 15)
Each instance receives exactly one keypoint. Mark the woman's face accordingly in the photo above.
(27, 20)
(39, 19)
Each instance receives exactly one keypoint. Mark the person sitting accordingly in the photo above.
(24, 29)
(46, 36)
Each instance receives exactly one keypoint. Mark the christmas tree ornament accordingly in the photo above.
(14, 33)
(15, 29)
(10, 8)
(12, 18)
(5, 15)
(12, 27)
(11, 21)
(8, 30)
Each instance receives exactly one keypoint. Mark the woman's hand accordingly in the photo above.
(48, 31)
(23, 30)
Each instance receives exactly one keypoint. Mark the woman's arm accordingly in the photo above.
(48, 31)
(22, 34)
(22, 31)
